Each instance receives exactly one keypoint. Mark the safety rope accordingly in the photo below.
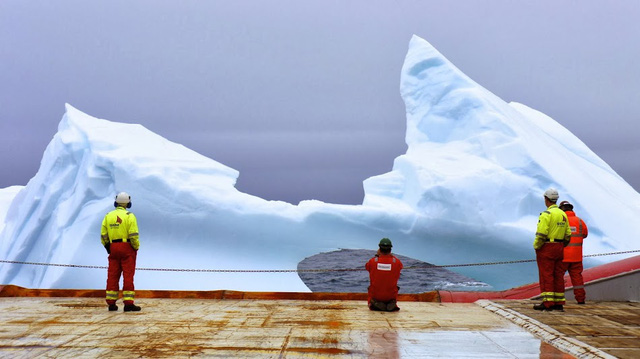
(301, 270)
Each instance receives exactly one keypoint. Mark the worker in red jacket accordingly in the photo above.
(384, 272)
(572, 260)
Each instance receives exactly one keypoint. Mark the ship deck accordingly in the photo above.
(251, 325)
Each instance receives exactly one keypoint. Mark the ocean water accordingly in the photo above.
(423, 278)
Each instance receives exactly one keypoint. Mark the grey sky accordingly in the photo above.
(302, 97)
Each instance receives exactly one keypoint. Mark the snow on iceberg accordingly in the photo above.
(469, 189)
(6, 197)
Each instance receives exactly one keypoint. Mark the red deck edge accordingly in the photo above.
(532, 290)
(524, 292)
(15, 291)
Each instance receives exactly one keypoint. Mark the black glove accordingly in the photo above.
(108, 247)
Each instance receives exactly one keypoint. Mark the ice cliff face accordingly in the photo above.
(482, 164)
(469, 189)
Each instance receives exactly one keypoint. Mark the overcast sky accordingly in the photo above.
(302, 97)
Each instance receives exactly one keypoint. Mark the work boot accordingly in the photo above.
(131, 308)
(392, 307)
(379, 305)
(557, 307)
(541, 306)
(581, 302)
(113, 307)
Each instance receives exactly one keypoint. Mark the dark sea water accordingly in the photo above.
(411, 280)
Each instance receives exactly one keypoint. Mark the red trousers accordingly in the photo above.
(551, 273)
(575, 273)
(122, 261)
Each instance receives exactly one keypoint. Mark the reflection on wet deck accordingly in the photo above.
(82, 327)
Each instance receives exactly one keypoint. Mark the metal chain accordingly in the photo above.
(300, 270)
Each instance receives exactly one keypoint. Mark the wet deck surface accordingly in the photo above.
(225, 328)
(612, 327)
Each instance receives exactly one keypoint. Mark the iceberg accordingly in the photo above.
(468, 190)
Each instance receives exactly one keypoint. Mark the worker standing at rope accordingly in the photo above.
(384, 272)
(119, 236)
(552, 234)
(572, 260)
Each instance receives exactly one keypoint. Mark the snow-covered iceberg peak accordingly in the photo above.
(119, 150)
(56, 217)
(443, 104)
(477, 160)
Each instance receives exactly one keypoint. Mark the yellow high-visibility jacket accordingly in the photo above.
(120, 224)
(553, 226)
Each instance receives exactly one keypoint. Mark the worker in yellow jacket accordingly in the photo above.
(552, 235)
(119, 236)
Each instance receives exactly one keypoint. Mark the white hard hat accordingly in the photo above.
(551, 194)
(123, 198)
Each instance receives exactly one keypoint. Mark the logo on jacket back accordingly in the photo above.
(384, 266)
(117, 224)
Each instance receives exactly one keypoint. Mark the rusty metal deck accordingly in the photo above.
(612, 327)
(254, 328)
(70, 323)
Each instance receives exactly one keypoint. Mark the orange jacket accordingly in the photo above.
(579, 231)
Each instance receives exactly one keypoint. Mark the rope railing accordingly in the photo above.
(300, 270)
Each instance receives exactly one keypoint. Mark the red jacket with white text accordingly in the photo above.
(384, 272)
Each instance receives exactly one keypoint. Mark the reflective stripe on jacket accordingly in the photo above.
(579, 231)
(120, 225)
(553, 226)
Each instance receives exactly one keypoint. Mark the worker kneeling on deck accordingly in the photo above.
(384, 272)
(119, 236)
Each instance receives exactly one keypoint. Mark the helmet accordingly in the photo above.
(551, 194)
(565, 206)
(385, 242)
(122, 198)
